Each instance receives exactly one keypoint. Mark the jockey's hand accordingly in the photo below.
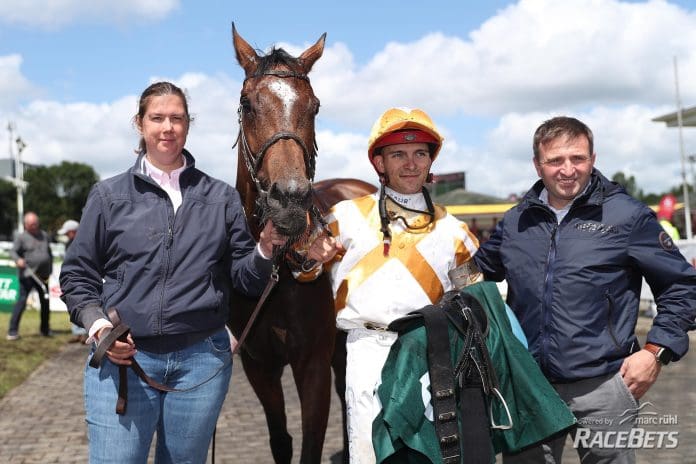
(269, 238)
(324, 248)
(639, 372)
(119, 352)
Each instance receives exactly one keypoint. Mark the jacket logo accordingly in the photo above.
(666, 241)
(597, 227)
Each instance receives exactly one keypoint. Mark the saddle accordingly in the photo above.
(460, 391)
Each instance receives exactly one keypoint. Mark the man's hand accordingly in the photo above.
(21, 264)
(324, 248)
(269, 238)
(639, 372)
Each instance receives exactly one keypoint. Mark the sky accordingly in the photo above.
(488, 73)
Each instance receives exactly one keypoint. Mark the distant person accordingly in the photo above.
(31, 252)
(486, 234)
(573, 253)
(473, 228)
(494, 223)
(665, 212)
(163, 243)
(69, 230)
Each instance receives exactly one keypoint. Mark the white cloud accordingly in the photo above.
(99, 135)
(626, 140)
(56, 13)
(605, 62)
(103, 136)
(15, 87)
(534, 55)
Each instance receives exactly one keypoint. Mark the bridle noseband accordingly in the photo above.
(253, 160)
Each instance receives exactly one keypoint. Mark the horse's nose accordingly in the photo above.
(277, 195)
(293, 191)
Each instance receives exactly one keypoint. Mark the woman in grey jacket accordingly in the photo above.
(162, 243)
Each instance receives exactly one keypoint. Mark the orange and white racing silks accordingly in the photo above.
(372, 288)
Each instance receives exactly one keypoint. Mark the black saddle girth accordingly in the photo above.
(463, 432)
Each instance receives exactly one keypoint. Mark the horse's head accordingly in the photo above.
(277, 148)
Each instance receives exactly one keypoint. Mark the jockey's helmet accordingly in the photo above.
(404, 125)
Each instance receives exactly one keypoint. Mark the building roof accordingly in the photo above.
(688, 118)
(460, 196)
(465, 204)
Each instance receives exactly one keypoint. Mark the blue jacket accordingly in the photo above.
(169, 275)
(575, 286)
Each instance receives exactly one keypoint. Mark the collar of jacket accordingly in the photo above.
(139, 172)
(600, 188)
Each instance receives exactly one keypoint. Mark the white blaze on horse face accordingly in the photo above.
(286, 94)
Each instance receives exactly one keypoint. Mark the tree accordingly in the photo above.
(58, 192)
(8, 209)
(629, 184)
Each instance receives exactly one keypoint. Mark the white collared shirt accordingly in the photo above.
(409, 200)
(168, 181)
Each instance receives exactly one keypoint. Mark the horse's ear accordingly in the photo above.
(246, 55)
(313, 53)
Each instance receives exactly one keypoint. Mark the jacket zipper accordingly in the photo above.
(169, 240)
(548, 299)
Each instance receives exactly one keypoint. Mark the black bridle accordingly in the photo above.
(253, 161)
(253, 164)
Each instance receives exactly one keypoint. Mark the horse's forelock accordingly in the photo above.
(277, 57)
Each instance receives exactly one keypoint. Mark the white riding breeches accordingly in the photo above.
(367, 351)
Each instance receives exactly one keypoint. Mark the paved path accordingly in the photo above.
(42, 420)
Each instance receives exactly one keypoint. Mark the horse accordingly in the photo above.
(275, 170)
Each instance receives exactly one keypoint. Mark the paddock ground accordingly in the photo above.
(42, 420)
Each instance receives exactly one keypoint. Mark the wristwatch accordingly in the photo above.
(662, 355)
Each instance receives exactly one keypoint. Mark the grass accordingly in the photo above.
(20, 358)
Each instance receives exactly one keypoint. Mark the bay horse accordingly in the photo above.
(275, 169)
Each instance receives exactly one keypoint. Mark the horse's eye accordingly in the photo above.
(246, 104)
(317, 104)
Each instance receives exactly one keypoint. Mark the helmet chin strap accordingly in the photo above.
(384, 214)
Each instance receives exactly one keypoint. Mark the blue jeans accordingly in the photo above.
(184, 421)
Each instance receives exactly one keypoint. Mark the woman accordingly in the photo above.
(162, 243)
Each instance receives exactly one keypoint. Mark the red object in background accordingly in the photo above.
(665, 209)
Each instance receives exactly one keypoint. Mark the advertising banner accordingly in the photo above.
(9, 285)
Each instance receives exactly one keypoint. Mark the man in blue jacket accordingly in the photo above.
(573, 253)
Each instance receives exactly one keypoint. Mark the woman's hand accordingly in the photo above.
(269, 238)
(119, 352)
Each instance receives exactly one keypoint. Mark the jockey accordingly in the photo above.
(389, 254)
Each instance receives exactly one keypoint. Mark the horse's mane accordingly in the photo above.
(277, 57)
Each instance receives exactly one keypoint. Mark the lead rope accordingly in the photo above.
(266, 291)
